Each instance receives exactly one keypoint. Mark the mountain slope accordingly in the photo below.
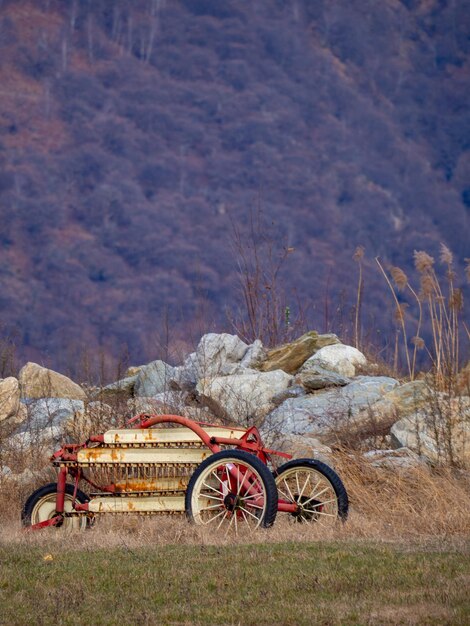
(133, 132)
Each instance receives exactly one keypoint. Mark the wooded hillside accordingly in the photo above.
(133, 133)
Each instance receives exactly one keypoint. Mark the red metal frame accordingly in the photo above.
(250, 442)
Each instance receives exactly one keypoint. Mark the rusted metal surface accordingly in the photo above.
(137, 456)
(149, 504)
(166, 435)
(155, 484)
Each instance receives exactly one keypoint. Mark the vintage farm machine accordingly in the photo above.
(169, 464)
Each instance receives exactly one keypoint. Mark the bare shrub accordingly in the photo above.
(266, 313)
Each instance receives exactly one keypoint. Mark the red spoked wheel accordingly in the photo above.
(315, 489)
(233, 491)
(41, 506)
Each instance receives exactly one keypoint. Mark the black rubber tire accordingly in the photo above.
(42, 492)
(328, 473)
(266, 477)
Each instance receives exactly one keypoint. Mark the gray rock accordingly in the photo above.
(254, 355)
(167, 402)
(440, 432)
(49, 414)
(302, 447)
(296, 391)
(337, 358)
(153, 379)
(402, 401)
(46, 423)
(124, 387)
(326, 411)
(316, 377)
(242, 398)
(400, 459)
(185, 377)
(216, 354)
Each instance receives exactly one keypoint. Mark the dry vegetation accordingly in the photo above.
(402, 556)
(170, 573)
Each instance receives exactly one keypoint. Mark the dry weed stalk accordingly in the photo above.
(444, 310)
(358, 257)
(266, 313)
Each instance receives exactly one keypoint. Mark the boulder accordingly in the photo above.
(254, 355)
(316, 377)
(295, 391)
(216, 354)
(9, 398)
(50, 412)
(326, 412)
(337, 358)
(401, 401)
(133, 370)
(242, 398)
(123, 387)
(153, 379)
(291, 356)
(302, 447)
(400, 459)
(46, 421)
(167, 402)
(39, 382)
(440, 433)
(96, 418)
(184, 377)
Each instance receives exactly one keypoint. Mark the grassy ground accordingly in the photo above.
(306, 582)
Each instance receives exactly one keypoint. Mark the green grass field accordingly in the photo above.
(346, 582)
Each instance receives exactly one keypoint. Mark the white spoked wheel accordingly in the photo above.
(41, 506)
(315, 488)
(232, 491)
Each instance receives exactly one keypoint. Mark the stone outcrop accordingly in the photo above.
(400, 459)
(291, 356)
(9, 398)
(304, 396)
(218, 354)
(326, 412)
(45, 420)
(153, 379)
(39, 382)
(123, 387)
(402, 401)
(294, 391)
(244, 398)
(337, 358)
(315, 377)
(440, 433)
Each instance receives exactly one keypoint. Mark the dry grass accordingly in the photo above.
(169, 573)
(419, 502)
(416, 504)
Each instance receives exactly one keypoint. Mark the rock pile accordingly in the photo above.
(305, 396)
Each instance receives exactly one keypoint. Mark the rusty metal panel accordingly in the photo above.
(148, 504)
(135, 456)
(164, 483)
(166, 435)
